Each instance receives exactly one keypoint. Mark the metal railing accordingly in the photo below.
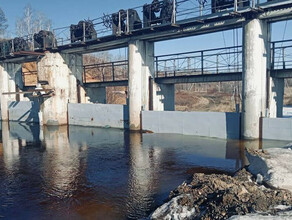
(104, 25)
(281, 54)
(203, 62)
(106, 72)
(213, 61)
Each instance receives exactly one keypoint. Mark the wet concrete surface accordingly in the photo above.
(81, 172)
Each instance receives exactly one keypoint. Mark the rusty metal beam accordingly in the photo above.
(29, 53)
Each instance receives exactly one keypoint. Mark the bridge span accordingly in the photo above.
(150, 79)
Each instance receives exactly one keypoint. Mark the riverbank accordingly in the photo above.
(265, 187)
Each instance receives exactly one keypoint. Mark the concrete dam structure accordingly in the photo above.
(64, 96)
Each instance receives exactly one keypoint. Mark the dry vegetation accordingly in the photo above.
(29, 71)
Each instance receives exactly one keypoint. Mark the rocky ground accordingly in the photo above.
(218, 196)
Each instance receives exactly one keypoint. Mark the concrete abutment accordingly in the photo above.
(61, 72)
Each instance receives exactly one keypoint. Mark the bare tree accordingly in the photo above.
(3, 25)
(32, 22)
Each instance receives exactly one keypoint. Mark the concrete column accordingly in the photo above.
(60, 71)
(142, 94)
(276, 97)
(139, 72)
(9, 74)
(255, 60)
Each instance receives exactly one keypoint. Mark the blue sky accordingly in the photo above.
(66, 12)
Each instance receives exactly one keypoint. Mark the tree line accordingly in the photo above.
(31, 21)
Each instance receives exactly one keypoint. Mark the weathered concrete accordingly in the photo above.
(207, 124)
(255, 52)
(99, 115)
(61, 71)
(23, 111)
(277, 128)
(10, 74)
(141, 66)
(276, 97)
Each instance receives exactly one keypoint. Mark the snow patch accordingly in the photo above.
(280, 216)
(275, 167)
(172, 210)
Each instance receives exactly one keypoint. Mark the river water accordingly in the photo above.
(94, 173)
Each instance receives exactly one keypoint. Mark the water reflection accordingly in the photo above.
(79, 172)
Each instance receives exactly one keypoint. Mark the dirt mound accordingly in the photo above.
(222, 196)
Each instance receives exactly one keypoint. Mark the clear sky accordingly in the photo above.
(66, 12)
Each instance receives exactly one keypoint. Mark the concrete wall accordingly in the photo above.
(207, 124)
(277, 128)
(23, 111)
(99, 115)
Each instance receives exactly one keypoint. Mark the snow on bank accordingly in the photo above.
(281, 216)
(274, 164)
(173, 210)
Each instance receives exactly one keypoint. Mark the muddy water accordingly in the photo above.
(92, 173)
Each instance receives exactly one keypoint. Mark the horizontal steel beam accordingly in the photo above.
(286, 73)
(221, 77)
(106, 84)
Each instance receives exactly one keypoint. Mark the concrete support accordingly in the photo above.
(276, 97)
(61, 71)
(140, 67)
(255, 60)
(10, 76)
(143, 95)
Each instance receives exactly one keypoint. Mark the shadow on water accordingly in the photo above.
(82, 172)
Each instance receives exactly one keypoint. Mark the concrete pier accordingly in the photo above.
(138, 81)
(144, 93)
(61, 71)
(255, 60)
(10, 77)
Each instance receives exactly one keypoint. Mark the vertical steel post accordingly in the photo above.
(189, 64)
(202, 62)
(273, 56)
(235, 5)
(283, 58)
(103, 74)
(165, 68)
(84, 74)
(217, 63)
(113, 70)
(174, 67)
(156, 67)
(128, 23)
